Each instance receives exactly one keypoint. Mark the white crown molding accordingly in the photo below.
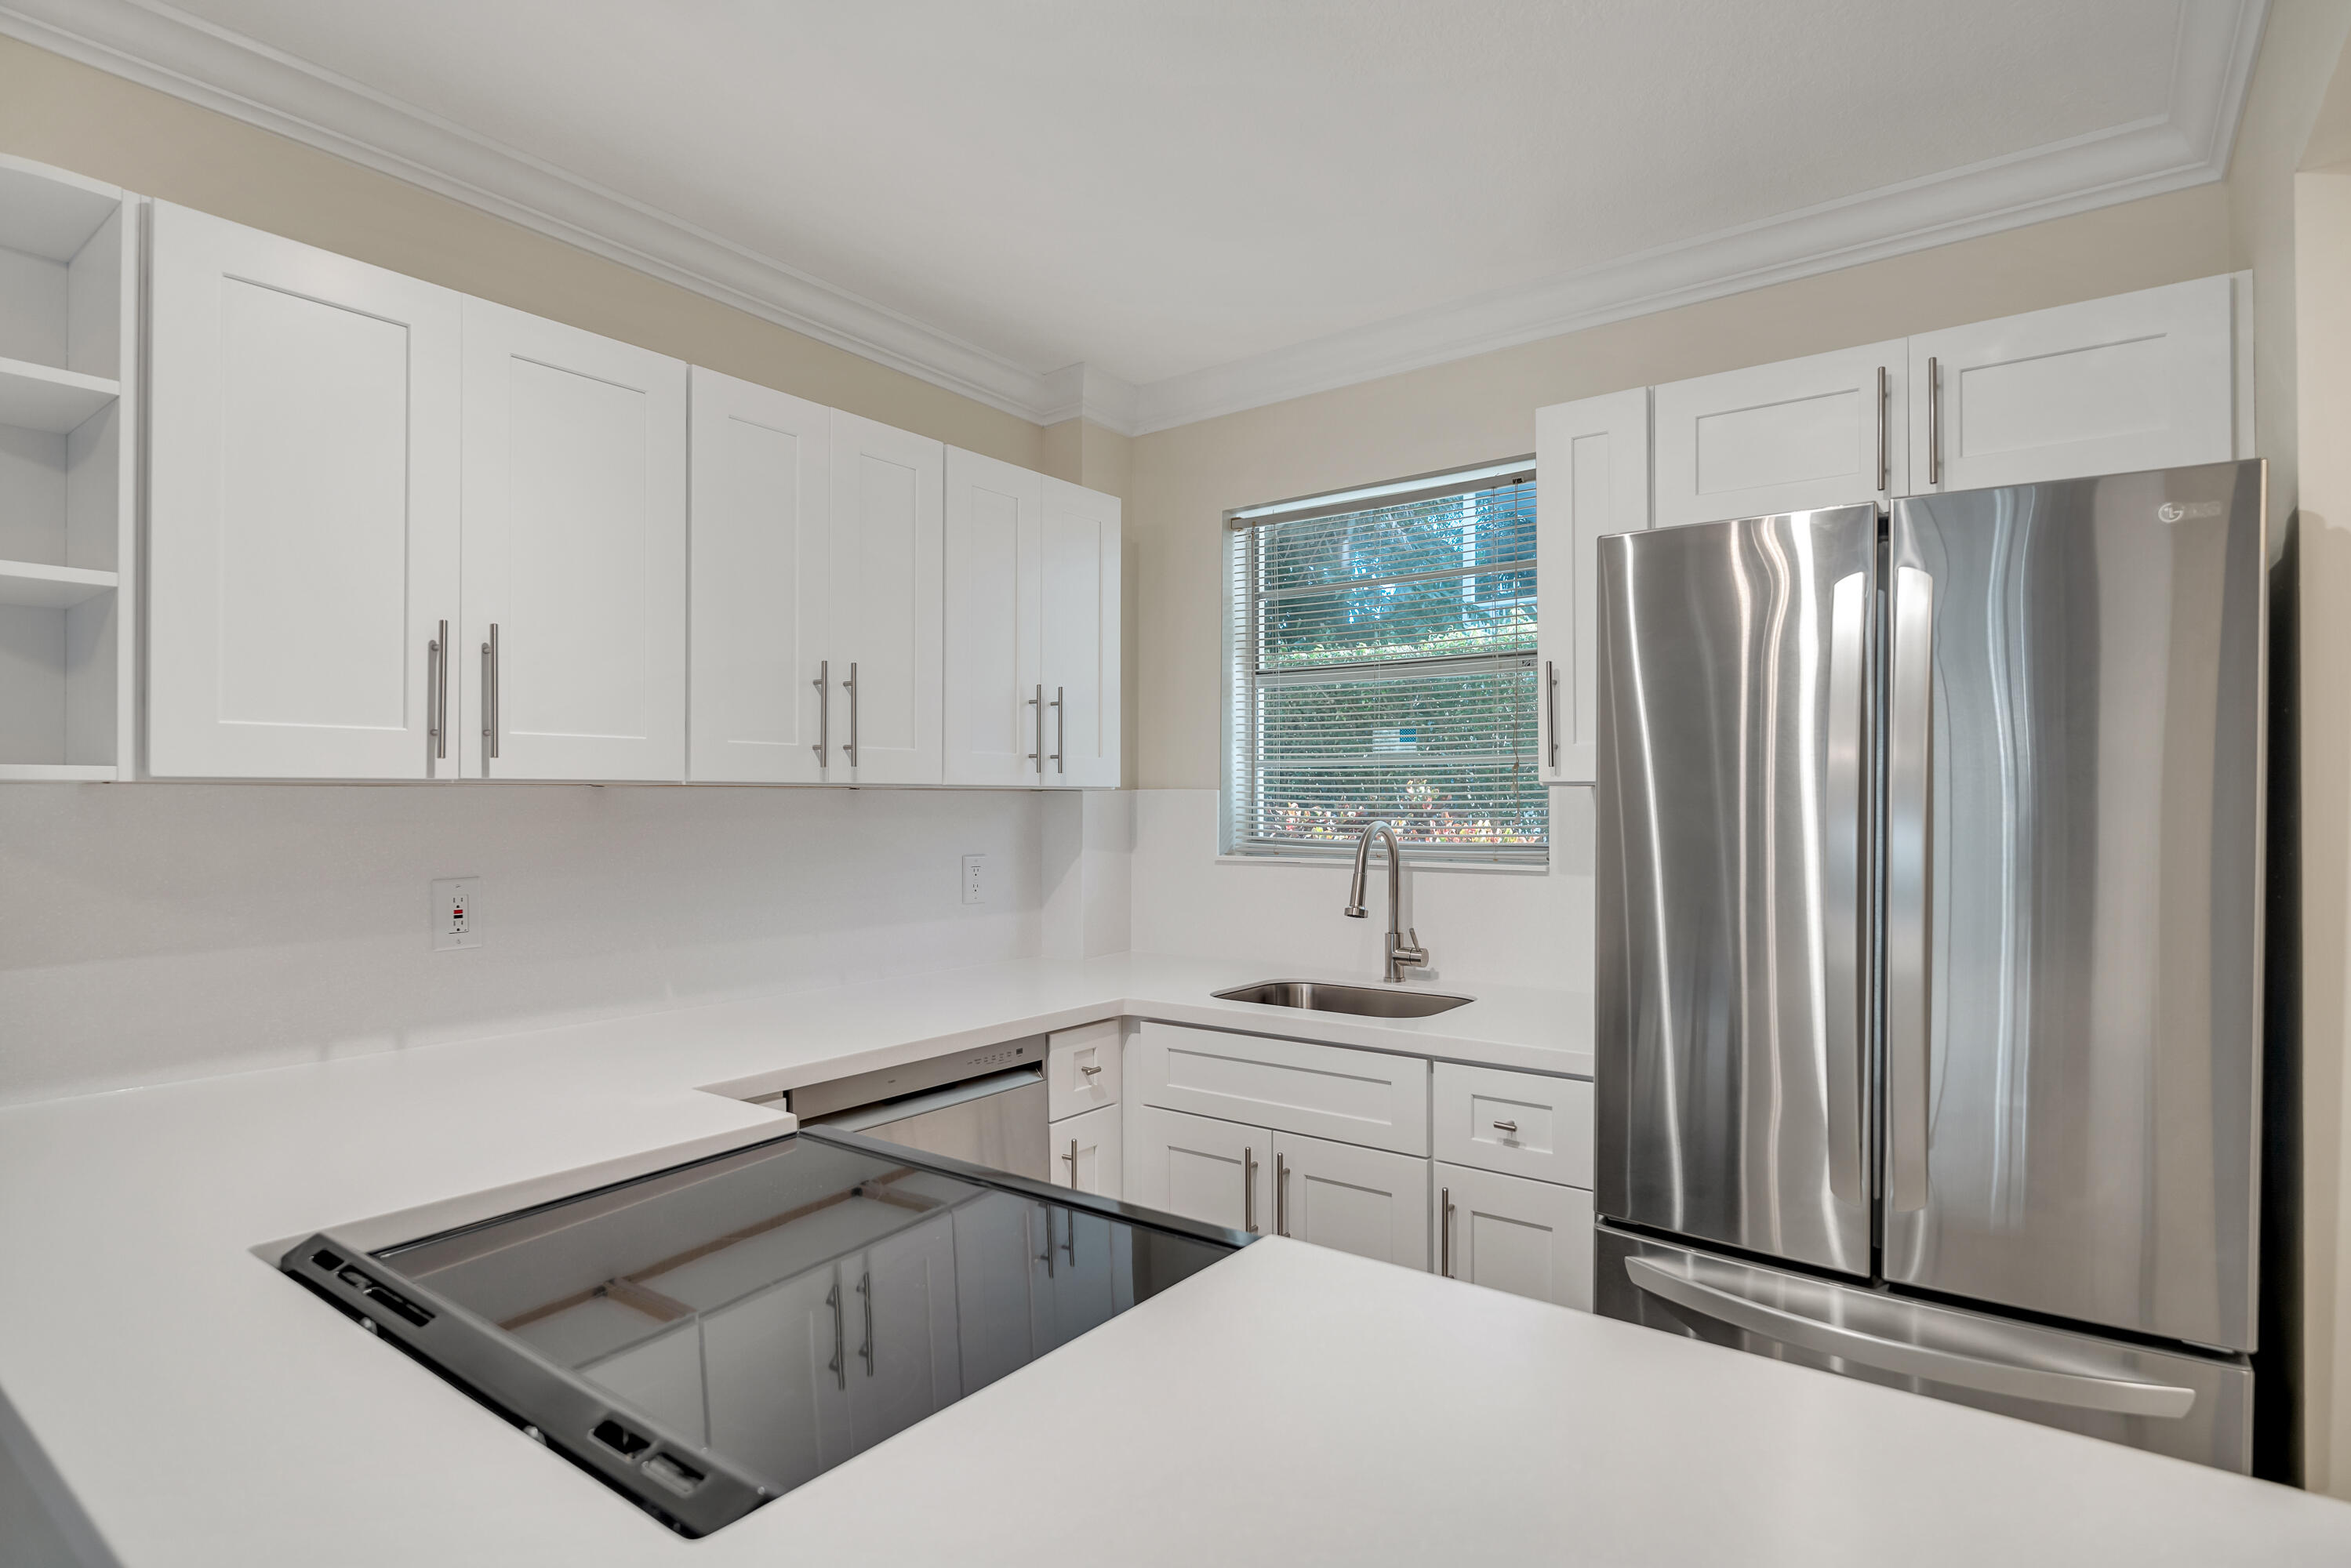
(2188, 145)
(161, 47)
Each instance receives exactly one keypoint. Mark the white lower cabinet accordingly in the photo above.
(1528, 1238)
(1197, 1166)
(1087, 1153)
(1366, 1201)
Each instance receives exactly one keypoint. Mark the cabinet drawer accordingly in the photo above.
(1081, 1068)
(1366, 1097)
(1520, 1123)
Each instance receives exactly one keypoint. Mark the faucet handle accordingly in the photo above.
(1411, 952)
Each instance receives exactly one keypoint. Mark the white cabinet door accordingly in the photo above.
(1528, 1238)
(302, 515)
(574, 552)
(909, 1362)
(994, 530)
(1198, 1167)
(1364, 1201)
(1824, 431)
(2108, 386)
(887, 616)
(1082, 574)
(1591, 477)
(777, 1366)
(756, 619)
(1086, 1153)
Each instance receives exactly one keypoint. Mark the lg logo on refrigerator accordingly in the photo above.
(2172, 511)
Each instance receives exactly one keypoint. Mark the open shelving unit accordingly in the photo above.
(69, 351)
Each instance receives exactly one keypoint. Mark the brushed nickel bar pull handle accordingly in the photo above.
(824, 684)
(865, 1289)
(2017, 1379)
(850, 685)
(1934, 422)
(1061, 730)
(439, 682)
(1445, 1231)
(1038, 755)
(1885, 464)
(1550, 704)
(1509, 1127)
(1280, 1194)
(1089, 1072)
(1909, 859)
(1248, 1190)
(490, 704)
(1069, 1217)
(840, 1367)
(1046, 1258)
(1071, 1157)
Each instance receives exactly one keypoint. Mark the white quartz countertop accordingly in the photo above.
(1290, 1404)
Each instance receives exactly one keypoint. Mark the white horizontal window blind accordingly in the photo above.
(1383, 665)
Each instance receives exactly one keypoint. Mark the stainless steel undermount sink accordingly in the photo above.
(1318, 995)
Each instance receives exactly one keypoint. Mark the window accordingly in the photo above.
(1383, 645)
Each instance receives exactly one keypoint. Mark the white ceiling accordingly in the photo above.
(1219, 201)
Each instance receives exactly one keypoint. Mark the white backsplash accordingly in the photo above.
(160, 931)
(1480, 926)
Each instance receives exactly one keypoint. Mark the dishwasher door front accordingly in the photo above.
(998, 1120)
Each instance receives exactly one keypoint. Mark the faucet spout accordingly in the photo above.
(1399, 952)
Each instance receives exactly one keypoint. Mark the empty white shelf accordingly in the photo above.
(42, 397)
(49, 212)
(51, 587)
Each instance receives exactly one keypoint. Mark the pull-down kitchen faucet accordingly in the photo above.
(1399, 952)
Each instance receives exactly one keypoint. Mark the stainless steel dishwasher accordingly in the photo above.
(986, 1105)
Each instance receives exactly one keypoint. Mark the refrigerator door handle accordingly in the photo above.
(1842, 908)
(2080, 1391)
(1910, 869)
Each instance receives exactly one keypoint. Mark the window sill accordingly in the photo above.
(1417, 867)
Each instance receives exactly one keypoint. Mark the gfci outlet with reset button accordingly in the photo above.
(456, 912)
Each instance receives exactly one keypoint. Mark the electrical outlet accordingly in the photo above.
(457, 912)
(975, 879)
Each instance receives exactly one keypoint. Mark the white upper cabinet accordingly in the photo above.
(887, 616)
(758, 671)
(1081, 611)
(303, 509)
(2108, 386)
(1824, 431)
(994, 532)
(574, 496)
(1591, 477)
(1032, 627)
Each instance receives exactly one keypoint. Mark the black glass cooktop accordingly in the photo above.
(706, 1338)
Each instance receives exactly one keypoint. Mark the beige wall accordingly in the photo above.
(69, 115)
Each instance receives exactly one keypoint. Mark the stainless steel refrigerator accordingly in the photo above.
(1927, 1001)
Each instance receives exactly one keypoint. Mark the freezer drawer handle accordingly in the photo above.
(2081, 1391)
